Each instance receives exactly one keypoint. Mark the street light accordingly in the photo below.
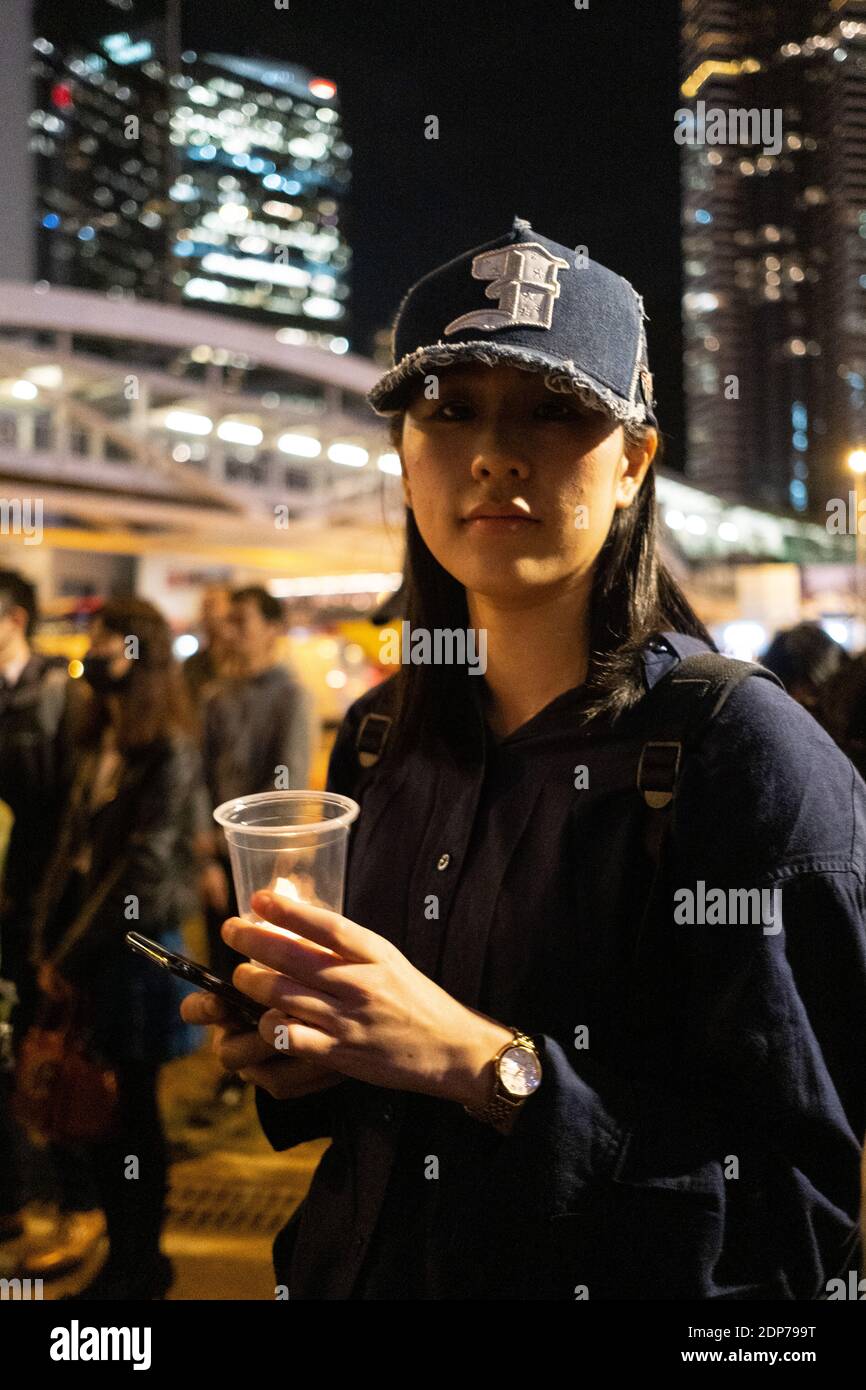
(857, 465)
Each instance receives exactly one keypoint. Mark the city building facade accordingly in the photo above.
(773, 132)
(188, 177)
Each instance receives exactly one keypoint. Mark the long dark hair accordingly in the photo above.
(633, 596)
(154, 704)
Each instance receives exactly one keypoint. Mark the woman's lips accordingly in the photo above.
(497, 524)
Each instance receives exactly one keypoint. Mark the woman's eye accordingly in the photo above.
(462, 410)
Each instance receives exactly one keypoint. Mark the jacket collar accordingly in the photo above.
(665, 650)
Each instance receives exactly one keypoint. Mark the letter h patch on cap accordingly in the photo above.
(525, 281)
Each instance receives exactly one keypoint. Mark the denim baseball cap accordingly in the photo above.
(553, 311)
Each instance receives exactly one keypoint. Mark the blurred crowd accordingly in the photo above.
(819, 674)
(111, 780)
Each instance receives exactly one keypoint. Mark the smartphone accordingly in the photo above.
(199, 975)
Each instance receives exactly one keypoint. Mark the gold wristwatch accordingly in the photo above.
(517, 1075)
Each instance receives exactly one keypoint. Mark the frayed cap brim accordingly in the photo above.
(387, 396)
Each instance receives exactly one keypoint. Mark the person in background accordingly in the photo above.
(203, 672)
(804, 657)
(125, 837)
(206, 665)
(842, 710)
(38, 705)
(34, 720)
(258, 735)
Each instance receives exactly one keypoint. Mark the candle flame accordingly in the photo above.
(286, 889)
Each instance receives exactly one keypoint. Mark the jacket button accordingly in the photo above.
(444, 861)
(388, 1112)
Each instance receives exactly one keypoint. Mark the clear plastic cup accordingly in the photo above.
(292, 843)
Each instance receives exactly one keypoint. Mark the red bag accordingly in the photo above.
(64, 1093)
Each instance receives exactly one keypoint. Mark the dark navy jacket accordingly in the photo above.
(698, 1127)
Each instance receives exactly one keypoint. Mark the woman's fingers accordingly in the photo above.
(330, 930)
(294, 1039)
(247, 1049)
(205, 1008)
(277, 991)
(241, 1048)
(268, 945)
(251, 1054)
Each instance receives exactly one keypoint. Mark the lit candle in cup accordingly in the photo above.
(285, 888)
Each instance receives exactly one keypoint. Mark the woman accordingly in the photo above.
(842, 709)
(806, 659)
(547, 1070)
(121, 863)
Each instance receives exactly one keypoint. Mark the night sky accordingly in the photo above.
(560, 115)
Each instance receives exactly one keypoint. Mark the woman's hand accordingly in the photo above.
(347, 999)
(241, 1049)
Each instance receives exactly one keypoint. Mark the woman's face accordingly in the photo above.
(498, 435)
(110, 645)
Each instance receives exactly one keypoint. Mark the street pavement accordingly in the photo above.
(229, 1191)
(229, 1194)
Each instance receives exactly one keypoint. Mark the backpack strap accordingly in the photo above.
(358, 749)
(371, 738)
(678, 710)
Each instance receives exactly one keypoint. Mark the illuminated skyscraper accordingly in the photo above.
(774, 241)
(263, 172)
(99, 141)
(200, 178)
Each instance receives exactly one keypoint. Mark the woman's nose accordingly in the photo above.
(497, 458)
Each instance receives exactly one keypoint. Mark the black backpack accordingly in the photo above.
(684, 702)
(679, 709)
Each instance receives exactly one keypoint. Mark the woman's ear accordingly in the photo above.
(633, 466)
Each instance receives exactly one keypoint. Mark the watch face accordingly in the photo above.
(519, 1071)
